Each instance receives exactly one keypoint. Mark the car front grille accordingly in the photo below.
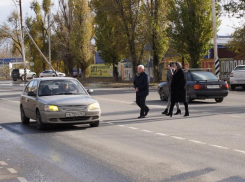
(83, 118)
(74, 108)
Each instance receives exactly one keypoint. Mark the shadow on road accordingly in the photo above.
(31, 128)
(188, 175)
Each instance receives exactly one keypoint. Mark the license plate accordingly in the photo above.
(212, 86)
(75, 114)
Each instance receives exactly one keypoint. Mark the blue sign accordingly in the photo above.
(10, 60)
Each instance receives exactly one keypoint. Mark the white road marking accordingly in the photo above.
(108, 122)
(10, 100)
(194, 141)
(235, 116)
(133, 128)
(121, 125)
(161, 134)
(217, 146)
(179, 138)
(21, 179)
(3, 163)
(147, 131)
(12, 170)
(241, 151)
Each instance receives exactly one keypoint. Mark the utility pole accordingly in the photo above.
(49, 39)
(216, 58)
(22, 40)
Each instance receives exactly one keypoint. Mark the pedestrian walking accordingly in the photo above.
(141, 85)
(178, 89)
(169, 81)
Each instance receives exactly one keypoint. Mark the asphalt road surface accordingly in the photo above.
(208, 146)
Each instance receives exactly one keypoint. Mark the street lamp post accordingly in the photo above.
(49, 39)
(22, 40)
(216, 58)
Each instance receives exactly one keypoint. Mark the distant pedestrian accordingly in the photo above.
(169, 81)
(141, 85)
(178, 89)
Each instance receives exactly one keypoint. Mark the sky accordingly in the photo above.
(6, 6)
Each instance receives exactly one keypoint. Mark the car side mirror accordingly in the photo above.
(90, 91)
(31, 94)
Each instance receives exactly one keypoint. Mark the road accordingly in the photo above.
(208, 146)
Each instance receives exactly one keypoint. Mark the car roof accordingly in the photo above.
(54, 78)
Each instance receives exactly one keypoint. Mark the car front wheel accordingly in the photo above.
(24, 119)
(95, 124)
(162, 95)
(40, 125)
(219, 100)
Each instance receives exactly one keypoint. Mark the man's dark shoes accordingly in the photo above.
(140, 117)
(146, 112)
(186, 114)
(165, 112)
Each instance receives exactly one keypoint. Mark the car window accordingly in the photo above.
(60, 87)
(34, 87)
(188, 77)
(46, 71)
(240, 68)
(16, 71)
(203, 76)
(29, 87)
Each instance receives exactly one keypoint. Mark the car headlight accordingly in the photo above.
(94, 106)
(51, 108)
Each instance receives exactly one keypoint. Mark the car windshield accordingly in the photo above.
(240, 68)
(203, 76)
(60, 87)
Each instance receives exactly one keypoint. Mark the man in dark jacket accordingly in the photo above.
(141, 85)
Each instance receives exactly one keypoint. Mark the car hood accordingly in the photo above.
(61, 100)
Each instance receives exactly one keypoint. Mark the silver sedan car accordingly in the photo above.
(58, 101)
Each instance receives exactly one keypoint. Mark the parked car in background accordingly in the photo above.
(58, 101)
(200, 85)
(19, 74)
(51, 73)
(75, 73)
(237, 77)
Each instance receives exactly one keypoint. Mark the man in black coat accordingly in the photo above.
(141, 85)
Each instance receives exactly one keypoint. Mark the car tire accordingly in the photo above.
(219, 100)
(95, 124)
(243, 87)
(14, 79)
(24, 119)
(162, 95)
(40, 125)
(233, 87)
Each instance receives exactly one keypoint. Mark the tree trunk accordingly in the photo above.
(83, 70)
(115, 72)
(69, 63)
(154, 14)
(183, 62)
(78, 72)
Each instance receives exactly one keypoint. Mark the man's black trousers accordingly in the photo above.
(140, 101)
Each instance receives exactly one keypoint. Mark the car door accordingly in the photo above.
(25, 99)
(33, 100)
